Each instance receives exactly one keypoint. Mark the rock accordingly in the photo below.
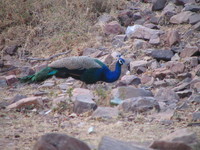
(165, 55)
(56, 141)
(135, 64)
(183, 76)
(48, 84)
(126, 18)
(191, 62)
(175, 67)
(113, 28)
(105, 18)
(139, 104)
(130, 92)
(181, 139)
(169, 10)
(3, 82)
(59, 100)
(158, 5)
(39, 67)
(185, 93)
(140, 44)
(17, 98)
(105, 112)
(146, 79)
(142, 32)
(160, 83)
(83, 100)
(181, 87)
(129, 80)
(196, 116)
(168, 96)
(141, 70)
(194, 19)
(182, 17)
(1, 63)
(108, 143)
(121, 37)
(189, 51)
(196, 87)
(11, 50)
(197, 26)
(162, 73)
(107, 59)
(89, 51)
(173, 37)
(191, 7)
(155, 40)
(183, 2)
(26, 102)
(194, 99)
(11, 79)
(25, 71)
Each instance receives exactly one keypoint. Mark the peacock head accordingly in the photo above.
(121, 61)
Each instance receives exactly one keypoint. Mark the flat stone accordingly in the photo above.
(26, 102)
(142, 32)
(139, 104)
(158, 5)
(11, 79)
(162, 73)
(170, 9)
(56, 141)
(108, 143)
(191, 7)
(3, 82)
(168, 96)
(175, 67)
(130, 92)
(181, 139)
(182, 17)
(196, 116)
(185, 93)
(139, 63)
(113, 28)
(173, 37)
(105, 112)
(11, 50)
(140, 44)
(189, 51)
(129, 80)
(194, 19)
(181, 87)
(83, 100)
(165, 55)
(197, 26)
(48, 84)
(194, 99)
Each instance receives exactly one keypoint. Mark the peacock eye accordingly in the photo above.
(121, 62)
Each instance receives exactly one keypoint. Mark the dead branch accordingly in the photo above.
(47, 59)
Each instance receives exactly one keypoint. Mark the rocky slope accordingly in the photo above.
(155, 105)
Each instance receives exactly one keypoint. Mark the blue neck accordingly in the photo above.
(112, 76)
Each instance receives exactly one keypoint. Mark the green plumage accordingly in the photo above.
(39, 76)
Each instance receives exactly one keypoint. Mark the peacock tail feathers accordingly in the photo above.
(39, 76)
(76, 62)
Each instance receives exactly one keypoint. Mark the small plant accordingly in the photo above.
(69, 92)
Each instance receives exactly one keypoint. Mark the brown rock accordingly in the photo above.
(182, 17)
(26, 102)
(105, 112)
(107, 59)
(135, 64)
(169, 10)
(139, 104)
(56, 141)
(189, 51)
(176, 67)
(113, 28)
(142, 32)
(11, 50)
(83, 100)
(178, 140)
(147, 79)
(108, 143)
(126, 18)
(11, 79)
(161, 73)
(173, 37)
(130, 92)
(154, 40)
(129, 80)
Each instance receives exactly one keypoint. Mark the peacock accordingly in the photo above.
(84, 68)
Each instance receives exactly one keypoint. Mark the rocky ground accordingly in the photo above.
(154, 105)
